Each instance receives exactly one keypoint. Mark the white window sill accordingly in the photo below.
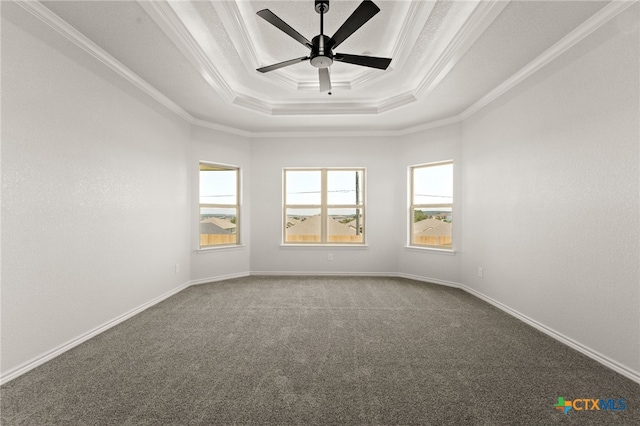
(325, 246)
(220, 248)
(446, 252)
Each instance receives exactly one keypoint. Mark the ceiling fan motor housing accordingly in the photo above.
(321, 54)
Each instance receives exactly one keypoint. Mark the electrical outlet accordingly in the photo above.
(480, 271)
(330, 256)
(177, 268)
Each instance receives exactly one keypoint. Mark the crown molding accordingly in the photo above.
(431, 125)
(233, 22)
(172, 26)
(304, 108)
(601, 17)
(234, 25)
(324, 134)
(254, 104)
(315, 86)
(412, 25)
(482, 16)
(396, 102)
(63, 28)
(607, 13)
(415, 18)
(49, 18)
(358, 133)
(170, 22)
(340, 108)
(417, 15)
(221, 128)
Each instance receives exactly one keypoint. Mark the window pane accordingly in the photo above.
(303, 226)
(218, 186)
(344, 187)
(345, 226)
(432, 227)
(218, 226)
(433, 184)
(303, 187)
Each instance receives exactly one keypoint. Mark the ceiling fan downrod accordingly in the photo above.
(321, 54)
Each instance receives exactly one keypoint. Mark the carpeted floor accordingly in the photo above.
(318, 350)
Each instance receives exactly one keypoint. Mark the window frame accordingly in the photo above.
(324, 207)
(236, 206)
(413, 206)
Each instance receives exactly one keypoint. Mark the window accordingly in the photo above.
(431, 207)
(219, 205)
(324, 206)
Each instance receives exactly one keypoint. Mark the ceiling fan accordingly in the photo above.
(322, 46)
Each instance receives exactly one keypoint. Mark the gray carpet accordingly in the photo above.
(317, 350)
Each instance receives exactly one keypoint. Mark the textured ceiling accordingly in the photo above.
(200, 57)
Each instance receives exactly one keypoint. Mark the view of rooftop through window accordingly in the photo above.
(324, 206)
(327, 205)
(219, 205)
(431, 205)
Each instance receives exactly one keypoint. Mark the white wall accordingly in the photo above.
(551, 188)
(429, 146)
(95, 193)
(100, 192)
(386, 160)
(224, 148)
(383, 192)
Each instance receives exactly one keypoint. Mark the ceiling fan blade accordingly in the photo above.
(365, 11)
(282, 64)
(366, 61)
(271, 18)
(325, 80)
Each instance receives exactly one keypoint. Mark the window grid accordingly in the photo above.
(441, 236)
(219, 232)
(324, 208)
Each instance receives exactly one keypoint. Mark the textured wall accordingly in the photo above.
(439, 144)
(218, 147)
(271, 155)
(94, 193)
(99, 195)
(551, 187)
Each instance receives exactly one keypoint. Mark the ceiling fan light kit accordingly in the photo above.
(321, 46)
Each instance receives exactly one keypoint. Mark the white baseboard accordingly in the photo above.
(219, 278)
(47, 356)
(595, 355)
(429, 280)
(321, 273)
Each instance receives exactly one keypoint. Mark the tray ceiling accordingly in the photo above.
(199, 58)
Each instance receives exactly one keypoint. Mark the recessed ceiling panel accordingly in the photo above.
(446, 56)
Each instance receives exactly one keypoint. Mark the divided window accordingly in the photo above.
(431, 209)
(324, 206)
(219, 205)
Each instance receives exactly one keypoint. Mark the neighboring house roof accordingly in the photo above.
(432, 227)
(222, 223)
(212, 228)
(311, 226)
